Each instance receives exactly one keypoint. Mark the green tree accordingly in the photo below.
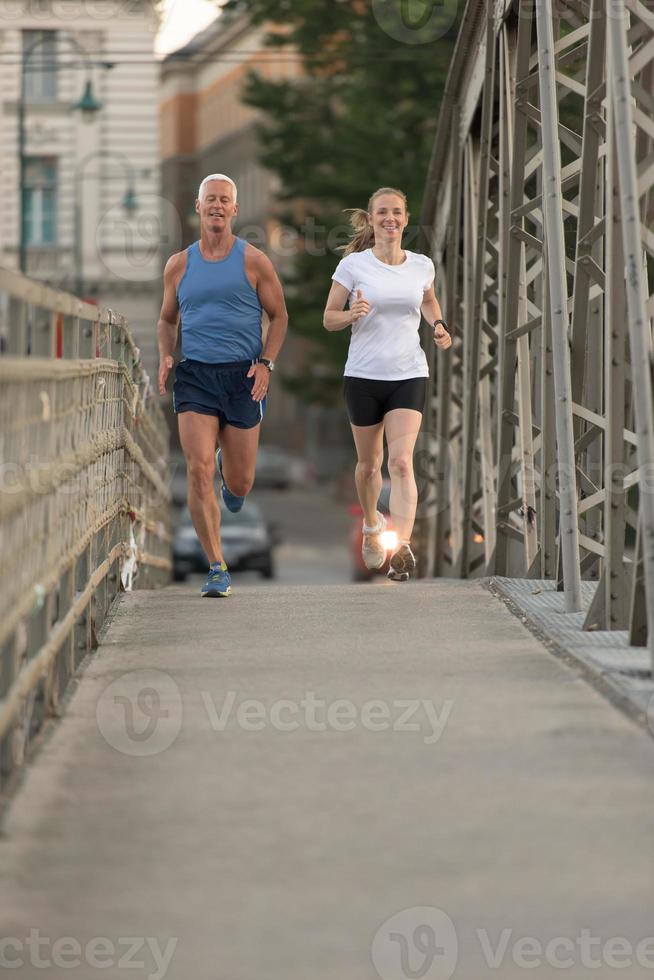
(361, 115)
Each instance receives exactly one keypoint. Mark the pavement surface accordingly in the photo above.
(331, 782)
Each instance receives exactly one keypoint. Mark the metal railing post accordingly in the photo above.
(639, 326)
(553, 212)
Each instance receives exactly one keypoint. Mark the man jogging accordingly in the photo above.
(219, 285)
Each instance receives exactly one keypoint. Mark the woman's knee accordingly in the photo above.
(400, 464)
(369, 468)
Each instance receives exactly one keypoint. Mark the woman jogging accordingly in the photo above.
(385, 383)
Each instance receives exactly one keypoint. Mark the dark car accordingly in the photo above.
(247, 540)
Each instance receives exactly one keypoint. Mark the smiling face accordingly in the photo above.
(216, 207)
(388, 217)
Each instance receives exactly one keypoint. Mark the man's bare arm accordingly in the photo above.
(169, 317)
(271, 294)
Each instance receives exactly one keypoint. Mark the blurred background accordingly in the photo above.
(112, 113)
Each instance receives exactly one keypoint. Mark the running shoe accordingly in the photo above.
(402, 564)
(232, 502)
(218, 584)
(373, 551)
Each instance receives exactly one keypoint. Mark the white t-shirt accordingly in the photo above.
(385, 344)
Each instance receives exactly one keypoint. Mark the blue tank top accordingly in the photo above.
(220, 310)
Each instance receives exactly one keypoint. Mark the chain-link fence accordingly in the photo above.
(84, 500)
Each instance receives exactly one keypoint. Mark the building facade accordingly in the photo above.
(85, 202)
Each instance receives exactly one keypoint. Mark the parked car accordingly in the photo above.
(280, 470)
(248, 543)
(389, 538)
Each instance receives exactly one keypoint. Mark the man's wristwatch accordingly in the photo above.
(269, 364)
(436, 322)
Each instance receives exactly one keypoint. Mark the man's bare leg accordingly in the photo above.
(198, 435)
(239, 457)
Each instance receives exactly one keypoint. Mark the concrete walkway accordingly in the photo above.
(416, 789)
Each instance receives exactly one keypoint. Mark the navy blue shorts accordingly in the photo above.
(222, 390)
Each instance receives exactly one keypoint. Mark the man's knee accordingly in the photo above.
(400, 465)
(240, 484)
(201, 475)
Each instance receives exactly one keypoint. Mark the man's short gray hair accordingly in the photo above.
(218, 177)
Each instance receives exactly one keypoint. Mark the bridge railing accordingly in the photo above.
(84, 499)
(538, 211)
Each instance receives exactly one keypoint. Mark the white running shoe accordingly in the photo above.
(373, 551)
(402, 563)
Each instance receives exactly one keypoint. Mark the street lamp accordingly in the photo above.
(129, 203)
(88, 105)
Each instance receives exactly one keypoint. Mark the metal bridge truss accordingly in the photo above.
(539, 212)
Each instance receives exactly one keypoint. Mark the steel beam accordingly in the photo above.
(553, 210)
(640, 336)
(509, 320)
(472, 373)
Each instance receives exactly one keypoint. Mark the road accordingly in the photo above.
(333, 782)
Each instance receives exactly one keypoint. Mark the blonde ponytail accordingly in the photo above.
(364, 236)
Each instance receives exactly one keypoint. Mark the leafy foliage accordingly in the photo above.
(362, 114)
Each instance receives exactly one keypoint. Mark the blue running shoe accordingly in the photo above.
(218, 584)
(232, 502)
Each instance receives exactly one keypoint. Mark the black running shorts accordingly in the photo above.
(368, 401)
(222, 390)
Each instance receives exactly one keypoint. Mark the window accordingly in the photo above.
(40, 201)
(40, 64)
